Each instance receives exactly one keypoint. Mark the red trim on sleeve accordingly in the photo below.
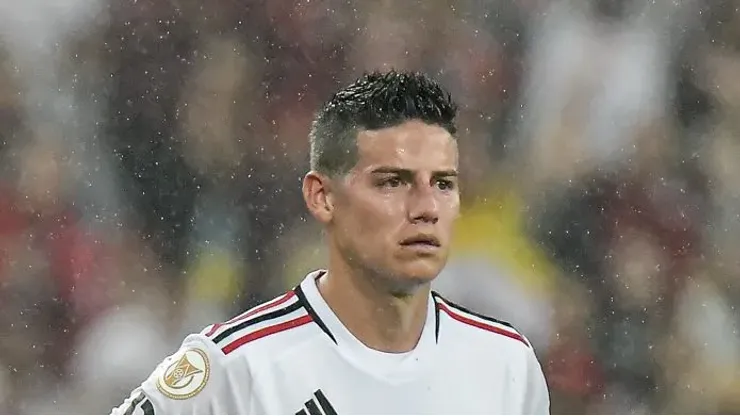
(270, 330)
(490, 328)
(274, 303)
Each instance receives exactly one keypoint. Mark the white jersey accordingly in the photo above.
(292, 355)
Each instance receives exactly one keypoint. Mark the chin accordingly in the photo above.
(405, 277)
(419, 271)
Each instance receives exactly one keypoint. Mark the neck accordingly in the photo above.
(371, 312)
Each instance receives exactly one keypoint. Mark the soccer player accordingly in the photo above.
(366, 335)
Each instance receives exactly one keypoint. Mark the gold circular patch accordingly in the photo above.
(186, 376)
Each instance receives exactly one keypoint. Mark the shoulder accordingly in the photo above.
(486, 333)
(190, 380)
(213, 370)
(476, 323)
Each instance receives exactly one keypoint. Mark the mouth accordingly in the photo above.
(421, 240)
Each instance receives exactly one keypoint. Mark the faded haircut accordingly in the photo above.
(375, 101)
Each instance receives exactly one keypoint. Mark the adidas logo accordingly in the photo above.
(318, 405)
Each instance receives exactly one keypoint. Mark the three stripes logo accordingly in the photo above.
(317, 405)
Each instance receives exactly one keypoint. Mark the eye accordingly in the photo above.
(445, 184)
(393, 182)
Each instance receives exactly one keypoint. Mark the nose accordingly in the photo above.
(423, 206)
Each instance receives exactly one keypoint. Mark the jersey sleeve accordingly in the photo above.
(194, 380)
(537, 395)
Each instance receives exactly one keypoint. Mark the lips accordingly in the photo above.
(421, 240)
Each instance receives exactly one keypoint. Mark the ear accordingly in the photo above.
(318, 197)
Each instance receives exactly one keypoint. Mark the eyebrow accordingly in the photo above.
(408, 172)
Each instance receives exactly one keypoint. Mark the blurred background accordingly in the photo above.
(151, 153)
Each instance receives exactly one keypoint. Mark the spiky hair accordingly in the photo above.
(375, 101)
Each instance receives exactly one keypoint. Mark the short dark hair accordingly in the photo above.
(374, 101)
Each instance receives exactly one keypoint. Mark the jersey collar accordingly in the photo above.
(377, 362)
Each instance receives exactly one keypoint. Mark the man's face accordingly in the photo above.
(394, 211)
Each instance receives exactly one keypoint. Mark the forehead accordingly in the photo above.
(412, 145)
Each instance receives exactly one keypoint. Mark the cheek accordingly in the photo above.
(450, 209)
(373, 217)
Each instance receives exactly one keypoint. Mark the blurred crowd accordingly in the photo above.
(151, 153)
